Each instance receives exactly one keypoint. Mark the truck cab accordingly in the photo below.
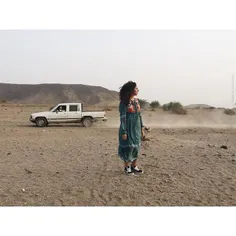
(67, 113)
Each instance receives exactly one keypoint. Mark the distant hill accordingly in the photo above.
(56, 93)
(198, 106)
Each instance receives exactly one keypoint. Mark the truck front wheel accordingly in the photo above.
(41, 122)
(87, 122)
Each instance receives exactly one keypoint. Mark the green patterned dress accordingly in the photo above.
(130, 124)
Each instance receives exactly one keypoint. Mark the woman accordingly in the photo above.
(131, 126)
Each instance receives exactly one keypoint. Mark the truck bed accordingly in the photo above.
(95, 114)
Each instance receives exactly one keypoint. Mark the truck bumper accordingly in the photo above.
(32, 120)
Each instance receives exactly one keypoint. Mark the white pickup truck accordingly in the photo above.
(67, 113)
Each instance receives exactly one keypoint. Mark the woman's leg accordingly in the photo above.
(126, 164)
(134, 163)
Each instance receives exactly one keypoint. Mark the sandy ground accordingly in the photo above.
(68, 165)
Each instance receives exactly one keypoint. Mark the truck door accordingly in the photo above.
(59, 114)
(74, 113)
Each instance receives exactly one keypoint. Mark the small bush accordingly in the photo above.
(3, 101)
(171, 106)
(154, 105)
(230, 112)
(143, 103)
(165, 107)
(174, 107)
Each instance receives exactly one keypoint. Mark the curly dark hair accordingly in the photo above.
(126, 92)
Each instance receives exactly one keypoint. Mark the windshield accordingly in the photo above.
(51, 108)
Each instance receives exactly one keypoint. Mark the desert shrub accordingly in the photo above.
(230, 112)
(174, 107)
(165, 107)
(3, 101)
(154, 105)
(143, 103)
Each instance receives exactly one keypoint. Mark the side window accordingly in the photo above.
(60, 108)
(73, 108)
(63, 108)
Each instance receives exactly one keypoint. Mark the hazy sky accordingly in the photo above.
(186, 66)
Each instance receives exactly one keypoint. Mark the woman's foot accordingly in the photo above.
(128, 170)
(135, 169)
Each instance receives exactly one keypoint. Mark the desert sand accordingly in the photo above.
(68, 165)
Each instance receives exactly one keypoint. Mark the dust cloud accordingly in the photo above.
(195, 118)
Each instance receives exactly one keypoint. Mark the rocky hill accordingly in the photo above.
(198, 106)
(56, 93)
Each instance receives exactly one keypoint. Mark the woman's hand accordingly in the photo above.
(145, 130)
(143, 133)
(124, 136)
(148, 129)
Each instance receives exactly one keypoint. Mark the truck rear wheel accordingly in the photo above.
(41, 122)
(87, 122)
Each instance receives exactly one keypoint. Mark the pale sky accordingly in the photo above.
(185, 66)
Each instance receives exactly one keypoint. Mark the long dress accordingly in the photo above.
(130, 124)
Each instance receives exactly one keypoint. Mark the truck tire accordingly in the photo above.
(87, 121)
(41, 122)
